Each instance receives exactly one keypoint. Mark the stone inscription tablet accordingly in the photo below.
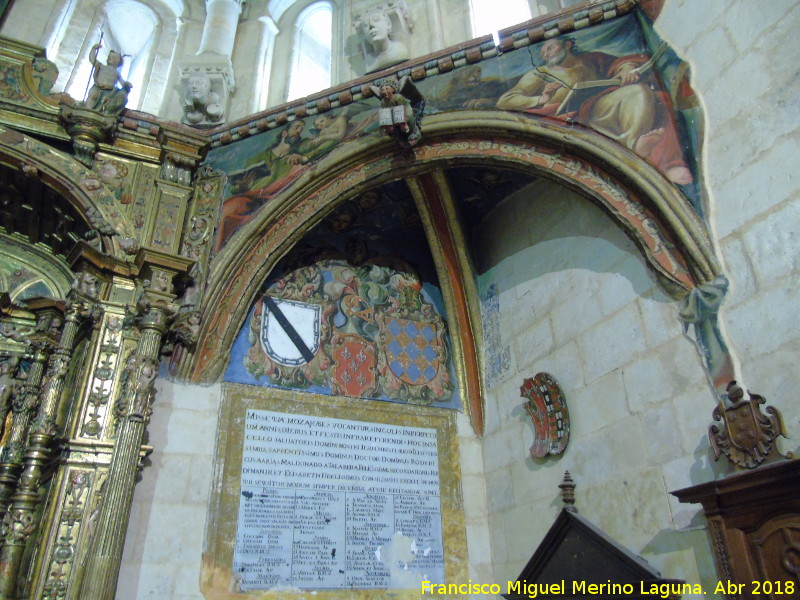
(330, 503)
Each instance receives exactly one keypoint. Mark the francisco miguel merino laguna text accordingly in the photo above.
(534, 590)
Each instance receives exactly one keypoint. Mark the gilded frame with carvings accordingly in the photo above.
(217, 580)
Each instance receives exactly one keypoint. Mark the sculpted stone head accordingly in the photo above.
(377, 27)
(199, 86)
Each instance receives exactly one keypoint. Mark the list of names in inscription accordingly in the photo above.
(320, 498)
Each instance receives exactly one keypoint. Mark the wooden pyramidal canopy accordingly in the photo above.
(575, 554)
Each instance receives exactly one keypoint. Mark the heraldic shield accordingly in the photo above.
(748, 437)
(413, 349)
(547, 408)
(354, 366)
(290, 331)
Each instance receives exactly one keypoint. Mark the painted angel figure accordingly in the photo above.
(402, 107)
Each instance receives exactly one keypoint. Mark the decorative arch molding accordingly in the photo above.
(651, 210)
(83, 188)
(49, 271)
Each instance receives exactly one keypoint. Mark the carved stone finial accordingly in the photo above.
(567, 487)
(746, 436)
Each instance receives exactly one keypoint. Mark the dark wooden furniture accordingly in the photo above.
(575, 554)
(754, 526)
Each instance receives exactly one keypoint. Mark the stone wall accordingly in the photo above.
(577, 301)
(164, 546)
(742, 58)
(638, 397)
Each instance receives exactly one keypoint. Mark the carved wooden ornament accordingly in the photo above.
(547, 407)
(747, 436)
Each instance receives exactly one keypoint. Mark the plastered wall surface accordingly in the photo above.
(165, 542)
(576, 301)
(164, 546)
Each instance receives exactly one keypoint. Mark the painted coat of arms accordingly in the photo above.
(362, 331)
(290, 331)
(354, 373)
(547, 408)
(412, 356)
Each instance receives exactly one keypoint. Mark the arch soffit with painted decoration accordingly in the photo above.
(83, 188)
(651, 210)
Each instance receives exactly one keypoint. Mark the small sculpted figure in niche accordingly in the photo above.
(105, 96)
(381, 47)
(402, 107)
(201, 105)
(86, 283)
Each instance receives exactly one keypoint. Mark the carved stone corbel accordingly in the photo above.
(204, 93)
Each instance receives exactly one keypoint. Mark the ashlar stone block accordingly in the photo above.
(612, 343)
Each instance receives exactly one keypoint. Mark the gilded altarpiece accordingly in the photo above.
(242, 403)
(87, 418)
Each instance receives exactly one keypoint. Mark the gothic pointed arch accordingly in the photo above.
(652, 211)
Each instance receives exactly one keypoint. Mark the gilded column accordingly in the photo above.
(132, 408)
(25, 403)
(19, 523)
